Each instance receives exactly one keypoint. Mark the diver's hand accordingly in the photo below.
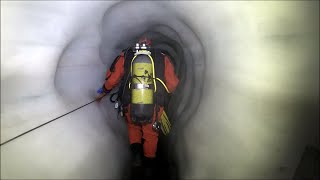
(102, 92)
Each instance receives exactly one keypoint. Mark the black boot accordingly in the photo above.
(149, 167)
(136, 154)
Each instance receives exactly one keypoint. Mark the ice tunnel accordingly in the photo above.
(246, 107)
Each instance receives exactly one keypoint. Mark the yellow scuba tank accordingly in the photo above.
(142, 87)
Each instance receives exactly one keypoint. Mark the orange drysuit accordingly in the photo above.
(137, 132)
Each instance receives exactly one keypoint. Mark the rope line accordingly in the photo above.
(22, 134)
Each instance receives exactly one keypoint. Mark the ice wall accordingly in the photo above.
(253, 66)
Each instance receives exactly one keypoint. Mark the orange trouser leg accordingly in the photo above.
(134, 130)
(150, 137)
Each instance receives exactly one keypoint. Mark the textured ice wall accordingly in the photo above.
(259, 104)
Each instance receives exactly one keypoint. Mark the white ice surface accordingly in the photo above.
(259, 107)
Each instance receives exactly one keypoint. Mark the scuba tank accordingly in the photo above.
(142, 86)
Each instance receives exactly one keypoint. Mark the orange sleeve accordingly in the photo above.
(171, 79)
(114, 77)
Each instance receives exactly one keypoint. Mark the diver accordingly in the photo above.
(147, 78)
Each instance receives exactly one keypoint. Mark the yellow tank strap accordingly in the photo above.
(153, 74)
(131, 64)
